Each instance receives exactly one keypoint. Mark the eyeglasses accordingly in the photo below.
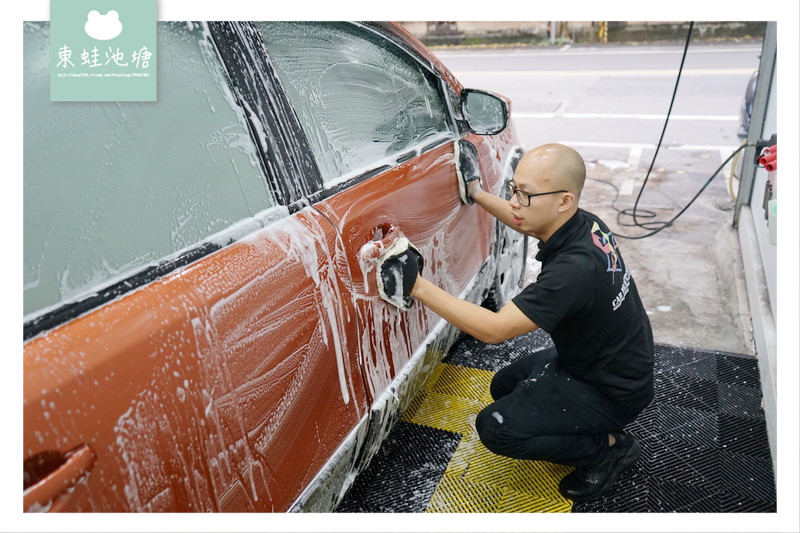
(524, 198)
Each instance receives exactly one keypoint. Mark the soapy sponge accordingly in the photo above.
(398, 267)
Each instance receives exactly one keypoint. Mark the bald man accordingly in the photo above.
(567, 404)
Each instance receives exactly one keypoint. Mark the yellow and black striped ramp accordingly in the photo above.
(704, 444)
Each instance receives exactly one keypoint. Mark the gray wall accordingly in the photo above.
(768, 252)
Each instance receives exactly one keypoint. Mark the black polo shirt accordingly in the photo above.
(585, 298)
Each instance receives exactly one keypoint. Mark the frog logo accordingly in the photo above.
(608, 245)
(103, 27)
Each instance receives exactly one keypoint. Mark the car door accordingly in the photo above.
(190, 339)
(382, 132)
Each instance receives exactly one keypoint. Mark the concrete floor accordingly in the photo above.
(690, 275)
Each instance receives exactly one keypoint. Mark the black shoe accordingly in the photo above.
(594, 480)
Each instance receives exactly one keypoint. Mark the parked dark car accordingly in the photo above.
(202, 328)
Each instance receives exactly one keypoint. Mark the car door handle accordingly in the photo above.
(49, 476)
(382, 237)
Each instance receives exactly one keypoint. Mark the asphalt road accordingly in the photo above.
(615, 97)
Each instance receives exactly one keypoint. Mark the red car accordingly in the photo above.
(202, 327)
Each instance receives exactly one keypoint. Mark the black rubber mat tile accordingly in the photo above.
(492, 357)
(685, 391)
(681, 462)
(663, 420)
(695, 427)
(744, 436)
(403, 475)
(738, 400)
(672, 497)
(691, 363)
(738, 370)
(743, 503)
(747, 476)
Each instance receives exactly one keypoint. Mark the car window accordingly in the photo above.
(114, 186)
(358, 97)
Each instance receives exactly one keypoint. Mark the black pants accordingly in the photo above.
(542, 412)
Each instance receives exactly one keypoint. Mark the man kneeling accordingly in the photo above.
(567, 404)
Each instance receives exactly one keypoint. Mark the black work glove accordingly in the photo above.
(398, 269)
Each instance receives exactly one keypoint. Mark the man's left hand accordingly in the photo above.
(399, 266)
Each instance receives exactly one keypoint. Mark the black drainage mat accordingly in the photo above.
(704, 440)
(404, 473)
(492, 357)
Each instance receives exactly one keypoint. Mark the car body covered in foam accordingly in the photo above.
(202, 324)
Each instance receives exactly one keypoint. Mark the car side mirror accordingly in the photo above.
(485, 113)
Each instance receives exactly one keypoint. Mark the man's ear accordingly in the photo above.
(567, 202)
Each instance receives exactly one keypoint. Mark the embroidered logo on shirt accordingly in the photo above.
(626, 285)
(607, 244)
